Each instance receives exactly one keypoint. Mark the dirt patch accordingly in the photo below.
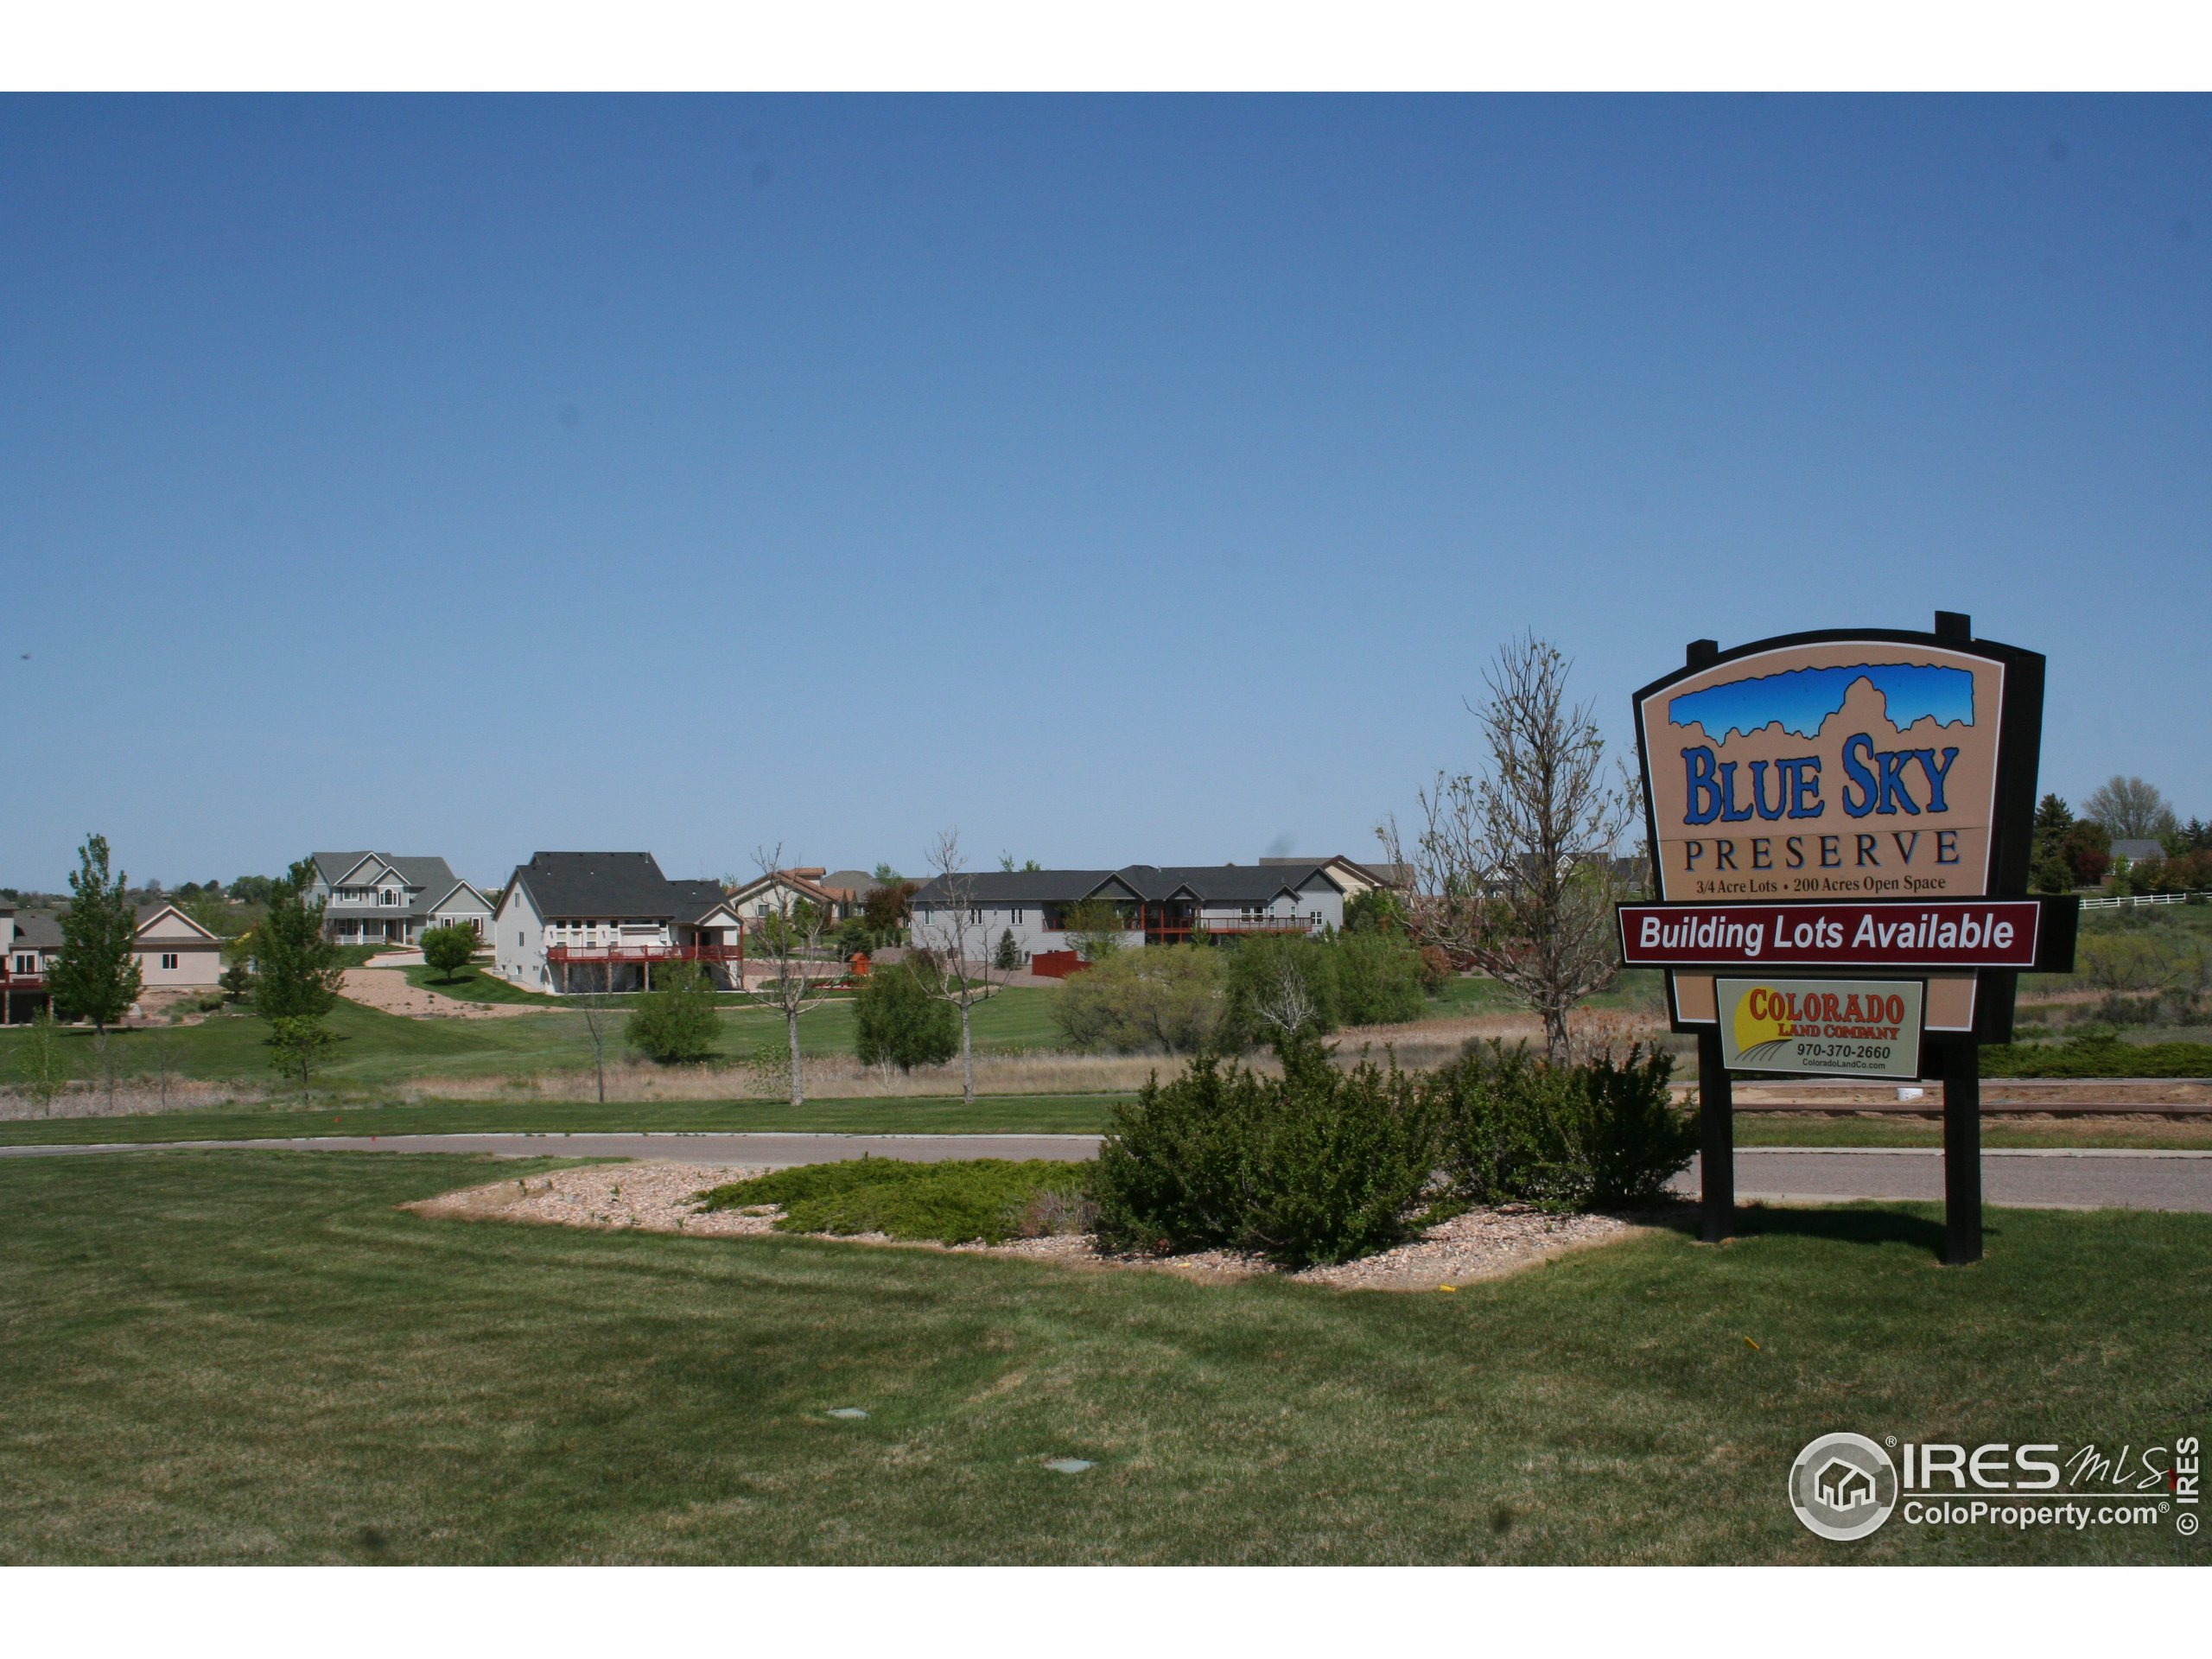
(664, 1198)
(386, 988)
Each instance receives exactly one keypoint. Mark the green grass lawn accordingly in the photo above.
(376, 1049)
(254, 1357)
(991, 1115)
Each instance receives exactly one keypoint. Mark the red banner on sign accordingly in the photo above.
(1938, 933)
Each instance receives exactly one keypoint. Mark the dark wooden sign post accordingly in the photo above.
(1840, 825)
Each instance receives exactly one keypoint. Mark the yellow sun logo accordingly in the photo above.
(1762, 1022)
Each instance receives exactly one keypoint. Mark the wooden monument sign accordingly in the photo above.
(1840, 827)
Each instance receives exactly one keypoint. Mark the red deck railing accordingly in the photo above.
(640, 953)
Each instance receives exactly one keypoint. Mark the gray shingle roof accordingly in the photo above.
(1211, 884)
(429, 880)
(592, 886)
(1017, 886)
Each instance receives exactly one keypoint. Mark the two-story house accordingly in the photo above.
(387, 898)
(578, 922)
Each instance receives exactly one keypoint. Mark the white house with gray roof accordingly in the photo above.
(392, 899)
(579, 922)
(1156, 905)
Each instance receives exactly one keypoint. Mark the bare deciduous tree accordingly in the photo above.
(2131, 809)
(1283, 999)
(959, 947)
(790, 937)
(1514, 869)
(597, 1004)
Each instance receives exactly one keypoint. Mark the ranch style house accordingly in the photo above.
(1155, 905)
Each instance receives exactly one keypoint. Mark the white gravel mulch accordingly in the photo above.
(662, 1198)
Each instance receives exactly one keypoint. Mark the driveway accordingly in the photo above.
(2066, 1180)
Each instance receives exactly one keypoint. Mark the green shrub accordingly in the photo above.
(1378, 978)
(2097, 1055)
(1367, 978)
(1318, 1165)
(958, 1202)
(675, 1021)
(897, 1022)
(449, 949)
(1275, 983)
(1518, 1129)
(1174, 1171)
(1163, 998)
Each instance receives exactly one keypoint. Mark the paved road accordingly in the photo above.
(2035, 1180)
(2055, 1179)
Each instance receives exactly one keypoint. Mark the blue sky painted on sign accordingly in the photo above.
(1118, 479)
(1801, 699)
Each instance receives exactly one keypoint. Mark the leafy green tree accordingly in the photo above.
(1096, 927)
(1377, 979)
(1008, 957)
(299, 970)
(2087, 849)
(1275, 985)
(675, 1021)
(236, 980)
(1166, 998)
(97, 976)
(887, 905)
(449, 949)
(256, 890)
(299, 1044)
(1376, 911)
(898, 1021)
(40, 1063)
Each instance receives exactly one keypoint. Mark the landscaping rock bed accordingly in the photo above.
(664, 1198)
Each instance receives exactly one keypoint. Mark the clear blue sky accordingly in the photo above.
(1119, 479)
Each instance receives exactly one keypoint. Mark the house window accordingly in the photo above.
(390, 897)
(975, 915)
(1017, 916)
(27, 964)
(169, 962)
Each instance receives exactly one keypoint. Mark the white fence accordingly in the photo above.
(2142, 899)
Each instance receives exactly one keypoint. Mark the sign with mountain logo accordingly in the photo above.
(1856, 769)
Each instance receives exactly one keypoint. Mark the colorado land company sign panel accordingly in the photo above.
(1843, 772)
(1834, 1027)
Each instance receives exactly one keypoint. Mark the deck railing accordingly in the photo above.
(644, 952)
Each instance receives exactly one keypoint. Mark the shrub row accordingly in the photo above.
(1182, 999)
(1325, 1164)
(2097, 1056)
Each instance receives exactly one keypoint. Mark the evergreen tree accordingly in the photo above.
(298, 969)
(97, 976)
